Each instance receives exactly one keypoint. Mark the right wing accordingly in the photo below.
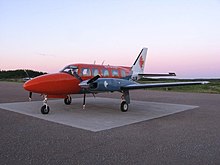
(155, 85)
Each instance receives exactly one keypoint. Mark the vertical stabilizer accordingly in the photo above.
(138, 66)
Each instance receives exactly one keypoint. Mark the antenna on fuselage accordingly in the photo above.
(94, 62)
(103, 62)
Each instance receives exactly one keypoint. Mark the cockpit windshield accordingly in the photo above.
(70, 69)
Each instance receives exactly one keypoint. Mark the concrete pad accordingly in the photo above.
(100, 113)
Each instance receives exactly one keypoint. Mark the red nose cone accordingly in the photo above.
(53, 84)
(34, 85)
(28, 85)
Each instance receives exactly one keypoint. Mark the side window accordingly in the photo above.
(123, 74)
(95, 72)
(115, 73)
(85, 72)
(105, 72)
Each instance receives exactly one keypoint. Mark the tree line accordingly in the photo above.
(19, 73)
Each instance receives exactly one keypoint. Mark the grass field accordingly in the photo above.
(212, 87)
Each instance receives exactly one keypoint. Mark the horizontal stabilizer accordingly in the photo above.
(157, 74)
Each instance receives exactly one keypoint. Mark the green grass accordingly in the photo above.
(212, 87)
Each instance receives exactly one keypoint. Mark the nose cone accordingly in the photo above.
(28, 85)
(53, 84)
(38, 84)
(31, 85)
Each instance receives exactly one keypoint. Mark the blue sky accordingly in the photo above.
(182, 36)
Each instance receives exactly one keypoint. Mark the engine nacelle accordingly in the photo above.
(108, 84)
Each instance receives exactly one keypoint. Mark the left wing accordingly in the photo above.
(154, 85)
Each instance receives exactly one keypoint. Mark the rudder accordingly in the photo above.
(138, 66)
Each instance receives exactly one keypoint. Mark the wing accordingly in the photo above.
(155, 85)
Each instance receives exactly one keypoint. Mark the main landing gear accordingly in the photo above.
(68, 100)
(124, 106)
(125, 100)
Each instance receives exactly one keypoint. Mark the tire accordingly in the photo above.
(45, 109)
(124, 106)
(68, 100)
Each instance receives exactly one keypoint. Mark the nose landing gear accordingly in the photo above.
(45, 109)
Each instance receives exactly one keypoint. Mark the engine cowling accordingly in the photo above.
(108, 84)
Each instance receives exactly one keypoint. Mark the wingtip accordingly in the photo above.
(205, 82)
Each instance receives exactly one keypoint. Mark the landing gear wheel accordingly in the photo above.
(45, 109)
(68, 100)
(124, 106)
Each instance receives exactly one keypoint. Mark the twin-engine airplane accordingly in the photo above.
(91, 78)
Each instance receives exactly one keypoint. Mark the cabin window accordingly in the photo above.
(86, 72)
(123, 74)
(105, 72)
(95, 72)
(115, 73)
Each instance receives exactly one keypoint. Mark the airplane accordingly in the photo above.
(93, 79)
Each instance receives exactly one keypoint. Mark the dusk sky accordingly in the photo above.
(46, 35)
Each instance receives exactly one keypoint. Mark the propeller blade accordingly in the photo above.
(28, 76)
(93, 79)
(77, 76)
(85, 84)
(27, 73)
(30, 96)
(84, 100)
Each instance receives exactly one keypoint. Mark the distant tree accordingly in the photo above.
(20, 73)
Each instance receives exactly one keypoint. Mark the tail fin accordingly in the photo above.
(138, 66)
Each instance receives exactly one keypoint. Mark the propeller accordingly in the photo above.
(85, 86)
(84, 100)
(93, 79)
(77, 76)
(28, 78)
(30, 96)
